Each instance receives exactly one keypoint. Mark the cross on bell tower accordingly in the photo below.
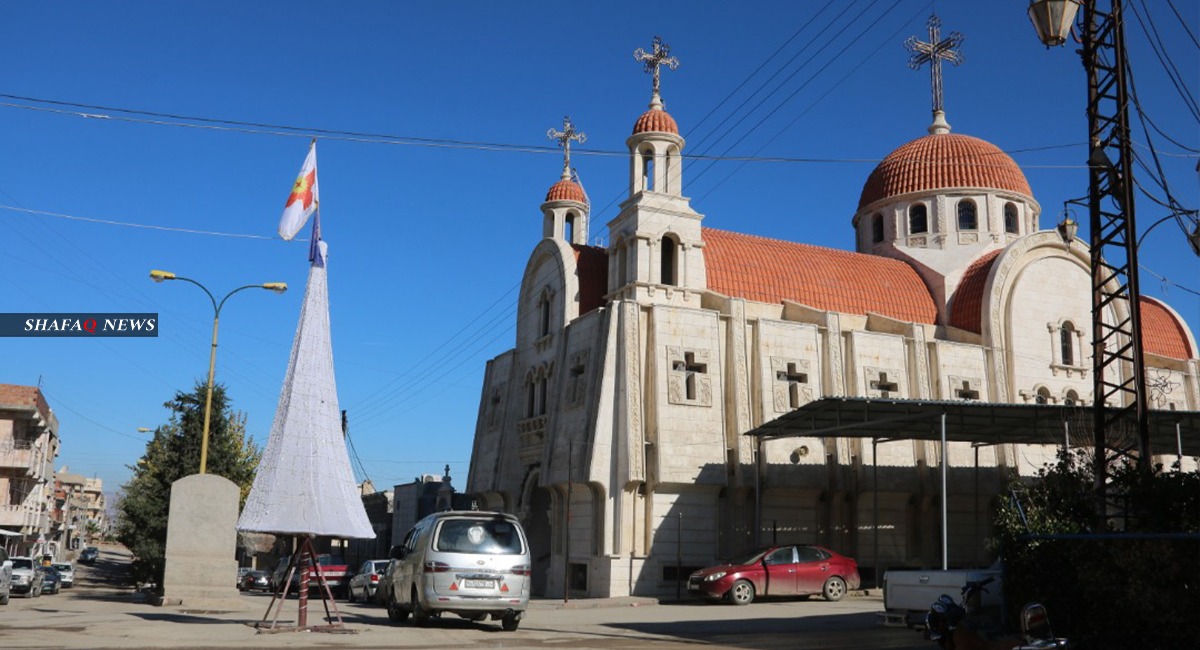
(564, 138)
(933, 52)
(659, 56)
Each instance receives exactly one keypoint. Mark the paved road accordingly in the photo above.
(102, 612)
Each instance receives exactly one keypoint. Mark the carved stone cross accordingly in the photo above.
(883, 385)
(966, 392)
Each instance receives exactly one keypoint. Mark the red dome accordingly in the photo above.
(656, 120)
(566, 190)
(943, 161)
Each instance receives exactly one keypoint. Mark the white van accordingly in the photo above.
(470, 563)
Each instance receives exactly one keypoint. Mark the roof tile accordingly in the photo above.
(771, 271)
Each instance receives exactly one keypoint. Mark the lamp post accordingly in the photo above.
(1119, 398)
(277, 287)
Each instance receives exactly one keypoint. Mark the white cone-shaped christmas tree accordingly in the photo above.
(304, 484)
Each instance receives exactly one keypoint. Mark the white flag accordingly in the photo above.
(303, 200)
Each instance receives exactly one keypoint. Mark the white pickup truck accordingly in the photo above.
(908, 593)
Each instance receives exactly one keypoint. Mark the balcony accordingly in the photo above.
(18, 453)
(531, 433)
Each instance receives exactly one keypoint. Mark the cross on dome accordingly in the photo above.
(659, 56)
(564, 138)
(934, 52)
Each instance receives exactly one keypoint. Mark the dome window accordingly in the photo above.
(877, 228)
(569, 227)
(918, 219)
(1010, 218)
(967, 216)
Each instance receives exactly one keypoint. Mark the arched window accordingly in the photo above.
(668, 261)
(1066, 336)
(569, 227)
(918, 219)
(877, 228)
(541, 385)
(1071, 399)
(544, 315)
(648, 170)
(1011, 222)
(1043, 396)
(967, 217)
(530, 398)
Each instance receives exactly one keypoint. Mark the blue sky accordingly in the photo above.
(428, 241)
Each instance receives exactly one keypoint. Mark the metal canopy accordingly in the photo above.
(980, 423)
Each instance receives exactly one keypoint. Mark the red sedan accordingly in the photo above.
(791, 570)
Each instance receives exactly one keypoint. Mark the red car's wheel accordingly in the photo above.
(741, 593)
(834, 589)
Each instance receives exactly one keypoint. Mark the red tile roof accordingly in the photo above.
(770, 271)
(591, 266)
(943, 161)
(1162, 333)
(966, 309)
(566, 190)
(656, 119)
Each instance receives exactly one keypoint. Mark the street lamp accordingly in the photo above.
(277, 287)
(1053, 19)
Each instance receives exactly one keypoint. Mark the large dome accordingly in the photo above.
(943, 161)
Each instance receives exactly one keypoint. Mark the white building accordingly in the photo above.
(614, 426)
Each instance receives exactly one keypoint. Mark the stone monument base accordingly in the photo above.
(201, 569)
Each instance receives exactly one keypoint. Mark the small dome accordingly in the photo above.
(656, 120)
(943, 161)
(566, 190)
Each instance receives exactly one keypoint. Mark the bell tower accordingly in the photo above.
(565, 210)
(655, 249)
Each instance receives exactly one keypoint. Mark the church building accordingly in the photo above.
(614, 426)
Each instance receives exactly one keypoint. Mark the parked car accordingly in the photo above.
(89, 555)
(789, 570)
(332, 567)
(66, 570)
(26, 577)
(51, 580)
(470, 563)
(242, 571)
(365, 582)
(255, 580)
(5, 577)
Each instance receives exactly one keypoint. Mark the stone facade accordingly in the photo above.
(614, 427)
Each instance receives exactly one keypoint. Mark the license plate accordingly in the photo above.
(693, 587)
(478, 584)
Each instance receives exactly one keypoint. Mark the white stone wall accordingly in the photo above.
(1034, 316)
(688, 404)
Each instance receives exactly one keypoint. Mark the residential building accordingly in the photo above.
(29, 444)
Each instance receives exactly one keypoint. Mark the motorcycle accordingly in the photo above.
(948, 625)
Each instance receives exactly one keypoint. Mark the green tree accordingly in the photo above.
(173, 453)
(1095, 582)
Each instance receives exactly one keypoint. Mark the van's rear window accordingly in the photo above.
(478, 536)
